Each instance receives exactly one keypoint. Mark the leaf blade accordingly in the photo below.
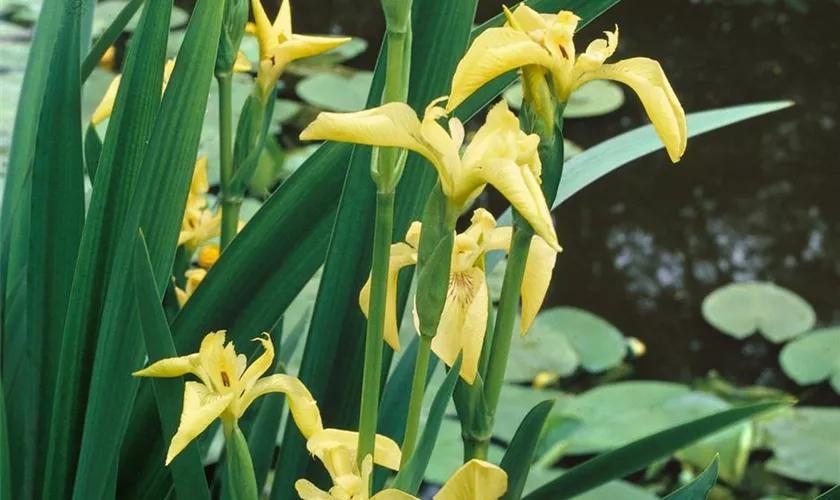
(520, 453)
(700, 486)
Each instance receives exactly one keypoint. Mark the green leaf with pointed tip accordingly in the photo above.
(832, 494)
(187, 471)
(411, 474)
(55, 230)
(109, 35)
(520, 453)
(157, 206)
(699, 487)
(120, 160)
(638, 454)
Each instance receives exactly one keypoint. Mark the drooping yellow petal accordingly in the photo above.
(106, 105)
(308, 491)
(646, 78)
(494, 52)
(302, 46)
(386, 451)
(402, 255)
(463, 322)
(538, 271)
(391, 125)
(475, 479)
(241, 64)
(260, 365)
(522, 190)
(302, 405)
(201, 407)
(170, 367)
(392, 494)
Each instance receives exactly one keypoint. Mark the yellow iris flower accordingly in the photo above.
(194, 277)
(474, 480)
(500, 154)
(546, 40)
(464, 319)
(199, 224)
(228, 386)
(279, 45)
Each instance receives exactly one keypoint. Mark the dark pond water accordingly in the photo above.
(758, 200)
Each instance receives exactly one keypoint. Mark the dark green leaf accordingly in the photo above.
(520, 452)
(187, 470)
(157, 207)
(832, 494)
(411, 474)
(638, 454)
(57, 216)
(699, 487)
(120, 161)
(5, 465)
(109, 36)
(93, 149)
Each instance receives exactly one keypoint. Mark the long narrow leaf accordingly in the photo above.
(119, 163)
(520, 453)
(411, 474)
(187, 471)
(5, 466)
(832, 494)
(699, 488)
(109, 36)
(157, 207)
(638, 454)
(57, 216)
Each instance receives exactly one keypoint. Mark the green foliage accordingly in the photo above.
(336, 92)
(813, 358)
(520, 453)
(741, 309)
(804, 444)
(699, 488)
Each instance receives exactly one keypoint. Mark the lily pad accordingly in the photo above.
(334, 92)
(595, 98)
(813, 358)
(561, 340)
(741, 309)
(108, 10)
(805, 445)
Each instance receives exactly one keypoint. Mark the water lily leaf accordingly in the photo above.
(595, 98)
(335, 92)
(561, 340)
(614, 489)
(804, 444)
(741, 309)
(107, 11)
(813, 358)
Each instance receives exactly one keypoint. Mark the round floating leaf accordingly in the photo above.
(740, 309)
(616, 414)
(334, 92)
(108, 10)
(813, 358)
(595, 98)
(805, 445)
(561, 340)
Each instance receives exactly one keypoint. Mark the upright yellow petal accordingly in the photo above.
(283, 22)
(261, 365)
(494, 52)
(402, 255)
(211, 353)
(538, 271)
(526, 18)
(475, 479)
(200, 183)
(522, 189)
(302, 405)
(308, 491)
(463, 322)
(646, 78)
(201, 407)
(386, 451)
(106, 106)
(170, 367)
(265, 31)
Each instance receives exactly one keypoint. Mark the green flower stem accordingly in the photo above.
(239, 469)
(230, 203)
(503, 331)
(372, 377)
(415, 404)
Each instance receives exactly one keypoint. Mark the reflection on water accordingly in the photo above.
(758, 200)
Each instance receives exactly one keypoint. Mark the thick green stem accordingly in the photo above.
(415, 404)
(371, 380)
(475, 448)
(505, 319)
(230, 203)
